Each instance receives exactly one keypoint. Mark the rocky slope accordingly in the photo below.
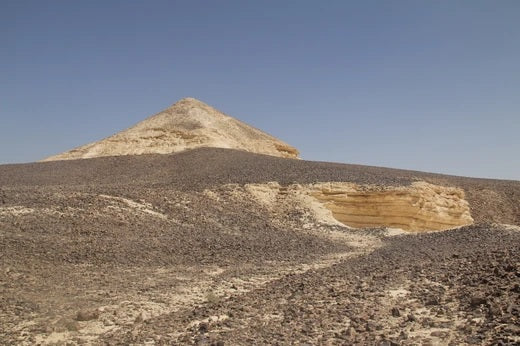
(188, 124)
(489, 200)
(216, 246)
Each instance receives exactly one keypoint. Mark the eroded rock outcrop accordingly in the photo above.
(188, 124)
(418, 207)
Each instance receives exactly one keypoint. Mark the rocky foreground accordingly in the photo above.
(178, 250)
(457, 287)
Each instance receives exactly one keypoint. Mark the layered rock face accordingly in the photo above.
(419, 207)
(188, 124)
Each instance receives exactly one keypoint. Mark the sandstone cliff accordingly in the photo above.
(418, 207)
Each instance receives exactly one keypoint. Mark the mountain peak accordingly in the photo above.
(187, 124)
(191, 101)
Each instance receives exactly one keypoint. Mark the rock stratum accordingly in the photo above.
(187, 124)
(419, 207)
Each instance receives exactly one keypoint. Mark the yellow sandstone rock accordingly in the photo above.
(418, 207)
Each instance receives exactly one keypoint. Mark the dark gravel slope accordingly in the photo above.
(459, 287)
(490, 200)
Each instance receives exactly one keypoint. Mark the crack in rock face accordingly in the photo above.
(419, 207)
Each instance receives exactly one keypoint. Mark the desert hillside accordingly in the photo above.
(187, 124)
(225, 247)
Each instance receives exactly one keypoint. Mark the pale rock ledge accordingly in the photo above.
(418, 207)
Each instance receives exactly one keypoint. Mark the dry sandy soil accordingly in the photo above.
(216, 246)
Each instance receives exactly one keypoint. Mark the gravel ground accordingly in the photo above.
(456, 287)
(163, 249)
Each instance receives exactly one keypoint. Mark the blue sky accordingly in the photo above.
(425, 85)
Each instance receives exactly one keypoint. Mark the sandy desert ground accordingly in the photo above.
(224, 247)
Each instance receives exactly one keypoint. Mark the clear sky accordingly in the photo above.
(425, 85)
